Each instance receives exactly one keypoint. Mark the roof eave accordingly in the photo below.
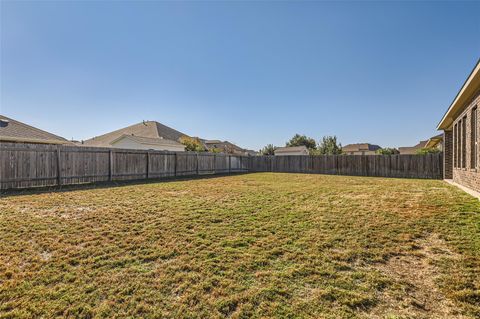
(31, 140)
(466, 91)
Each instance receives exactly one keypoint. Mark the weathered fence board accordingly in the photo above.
(405, 166)
(34, 165)
(30, 165)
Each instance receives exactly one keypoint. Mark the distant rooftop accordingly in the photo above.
(360, 147)
(15, 131)
(146, 129)
(291, 149)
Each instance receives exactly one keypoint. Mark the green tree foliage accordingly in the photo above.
(299, 140)
(215, 150)
(387, 151)
(192, 144)
(329, 146)
(268, 150)
(425, 151)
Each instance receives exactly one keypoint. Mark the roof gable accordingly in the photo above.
(148, 129)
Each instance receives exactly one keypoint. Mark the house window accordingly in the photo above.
(473, 139)
(455, 146)
(457, 143)
(464, 142)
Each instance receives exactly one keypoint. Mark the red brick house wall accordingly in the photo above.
(466, 167)
(448, 155)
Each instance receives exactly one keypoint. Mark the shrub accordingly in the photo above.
(329, 146)
(425, 151)
(192, 144)
(268, 150)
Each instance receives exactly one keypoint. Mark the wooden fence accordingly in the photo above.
(405, 166)
(34, 165)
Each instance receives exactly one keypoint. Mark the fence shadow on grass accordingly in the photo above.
(107, 184)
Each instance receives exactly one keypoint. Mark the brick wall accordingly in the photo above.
(448, 155)
(469, 176)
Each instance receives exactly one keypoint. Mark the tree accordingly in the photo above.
(192, 144)
(299, 140)
(425, 151)
(387, 151)
(268, 150)
(328, 146)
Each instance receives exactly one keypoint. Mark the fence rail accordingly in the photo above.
(34, 165)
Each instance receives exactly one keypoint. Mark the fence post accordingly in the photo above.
(110, 165)
(196, 167)
(214, 164)
(229, 164)
(59, 167)
(147, 173)
(175, 164)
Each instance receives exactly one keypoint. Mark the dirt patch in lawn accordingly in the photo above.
(415, 275)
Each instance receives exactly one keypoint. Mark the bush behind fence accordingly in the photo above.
(34, 165)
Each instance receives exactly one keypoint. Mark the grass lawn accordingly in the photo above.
(244, 246)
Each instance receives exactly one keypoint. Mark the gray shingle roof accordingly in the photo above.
(412, 149)
(291, 149)
(149, 140)
(148, 129)
(15, 131)
(360, 147)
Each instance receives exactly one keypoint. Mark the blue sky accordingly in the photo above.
(249, 72)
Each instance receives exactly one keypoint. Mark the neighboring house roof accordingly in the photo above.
(149, 129)
(412, 149)
(15, 131)
(291, 149)
(147, 140)
(467, 91)
(359, 147)
(225, 145)
(251, 152)
(434, 141)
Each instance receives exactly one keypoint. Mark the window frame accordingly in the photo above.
(464, 142)
(456, 145)
(474, 138)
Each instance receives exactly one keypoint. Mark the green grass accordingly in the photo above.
(244, 246)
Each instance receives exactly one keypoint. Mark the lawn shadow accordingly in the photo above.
(108, 184)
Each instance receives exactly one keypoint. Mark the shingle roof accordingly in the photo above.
(148, 140)
(149, 129)
(360, 147)
(434, 141)
(223, 144)
(291, 149)
(412, 149)
(15, 131)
